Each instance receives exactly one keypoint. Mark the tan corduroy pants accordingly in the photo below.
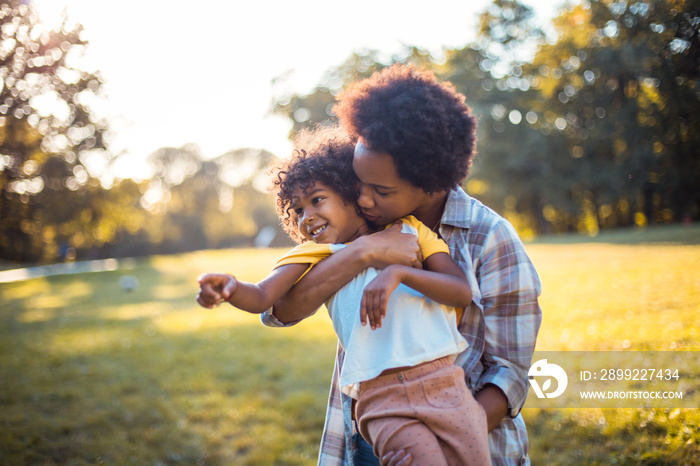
(427, 411)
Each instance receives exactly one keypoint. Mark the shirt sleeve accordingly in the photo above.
(309, 252)
(306, 253)
(428, 241)
(268, 319)
(510, 288)
(338, 425)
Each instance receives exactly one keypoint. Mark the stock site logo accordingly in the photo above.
(543, 369)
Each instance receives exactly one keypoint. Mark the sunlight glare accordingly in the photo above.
(51, 12)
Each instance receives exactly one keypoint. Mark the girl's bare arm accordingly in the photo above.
(442, 281)
(250, 297)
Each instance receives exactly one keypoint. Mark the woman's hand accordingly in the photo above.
(397, 459)
(376, 295)
(390, 246)
(215, 288)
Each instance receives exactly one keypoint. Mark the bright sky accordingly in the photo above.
(179, 72)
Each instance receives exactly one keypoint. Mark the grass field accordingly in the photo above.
(91, 374)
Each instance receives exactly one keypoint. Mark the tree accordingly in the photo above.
(198, 204)
(589, 129)
(46, 131)
(316, 108)
(511, 171)
(620, 86)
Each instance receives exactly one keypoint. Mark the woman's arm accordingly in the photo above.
(331, 274)
(509, 287)
(255, 298)
(442, 281)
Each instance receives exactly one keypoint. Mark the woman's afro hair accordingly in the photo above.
(320, 155)
(424, 124)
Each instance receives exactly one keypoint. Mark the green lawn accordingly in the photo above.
(92, 374)
(627, 290)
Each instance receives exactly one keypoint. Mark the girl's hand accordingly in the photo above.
(376, 296)
(215, 288)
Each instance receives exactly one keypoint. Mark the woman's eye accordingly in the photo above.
(316, 200)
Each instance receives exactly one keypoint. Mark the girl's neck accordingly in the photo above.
(430, 212)
(363, 229)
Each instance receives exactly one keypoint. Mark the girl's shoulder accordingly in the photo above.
(411, 224)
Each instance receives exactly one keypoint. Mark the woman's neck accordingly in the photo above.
(430, 212)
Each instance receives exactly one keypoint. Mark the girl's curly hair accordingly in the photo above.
(321, 155)
(424, 124)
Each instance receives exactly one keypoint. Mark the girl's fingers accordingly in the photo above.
(203, 303)
(377, 309)
(363, 309)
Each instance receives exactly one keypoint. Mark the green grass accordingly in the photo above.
(626, 290)
(91, 374)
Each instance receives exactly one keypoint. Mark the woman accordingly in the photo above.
(414, 144)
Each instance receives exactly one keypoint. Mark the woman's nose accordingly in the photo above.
(364, 200)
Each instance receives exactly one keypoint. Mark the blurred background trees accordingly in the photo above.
(52, 207)
(204, 204)
(581, 128)
(584, 124)
(620, 87)
(49, 203)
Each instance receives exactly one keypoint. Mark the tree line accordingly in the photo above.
(52, 208)
(584, 125)
(583, 129)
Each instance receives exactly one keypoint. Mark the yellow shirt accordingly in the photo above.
(313, 253)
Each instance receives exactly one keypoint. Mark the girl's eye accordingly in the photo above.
(316, 200)
(381, 194)
(298, 211)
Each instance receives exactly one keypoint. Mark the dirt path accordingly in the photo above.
(15, 275)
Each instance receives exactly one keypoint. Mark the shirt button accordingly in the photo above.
(400, 376)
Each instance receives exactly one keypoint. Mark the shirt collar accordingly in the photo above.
(458, 209)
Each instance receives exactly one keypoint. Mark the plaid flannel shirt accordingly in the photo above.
(501, 327)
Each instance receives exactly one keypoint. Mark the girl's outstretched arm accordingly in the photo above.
(216, 288)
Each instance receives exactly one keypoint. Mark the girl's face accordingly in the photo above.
(384, 196)
(324, 217)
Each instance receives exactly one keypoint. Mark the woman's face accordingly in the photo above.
(384, 196)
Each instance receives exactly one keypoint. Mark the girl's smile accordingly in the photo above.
(324, 217)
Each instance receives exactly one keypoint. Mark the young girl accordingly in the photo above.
(400, 368)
